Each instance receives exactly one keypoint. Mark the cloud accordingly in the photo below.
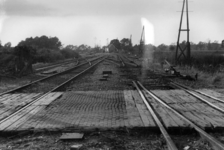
(25, 8)
(99, 7)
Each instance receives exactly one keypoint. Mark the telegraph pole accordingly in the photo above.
(183, 52)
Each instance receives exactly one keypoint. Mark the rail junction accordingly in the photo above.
(110, 91)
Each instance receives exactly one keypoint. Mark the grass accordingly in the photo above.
(218, 78)
(207, 64)
(205, 79)
(205, 60)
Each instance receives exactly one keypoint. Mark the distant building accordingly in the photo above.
(112, 48)
(127, 43)
(106, 50)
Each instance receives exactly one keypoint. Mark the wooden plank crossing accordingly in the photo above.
(143, 111)
(213, 93)
(23, 115)
(8, 97)
(106, 109)
(197, 111)
(13, 102)
(96, 109)
(132, 111)
(168, 117)
(32, 110)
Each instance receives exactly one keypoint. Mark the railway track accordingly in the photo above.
(61, 67)
(200, 95)
(40, 69)
(148, 87)
(114, 60)
(31, 101)
(147, 97)
(46, 79)
(152, 81)
(128, 61)
(158, 81)
(70, 61)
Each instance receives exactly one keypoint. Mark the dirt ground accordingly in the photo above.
(104, 140)
(91, 81)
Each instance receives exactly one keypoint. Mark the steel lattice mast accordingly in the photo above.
(186, 51)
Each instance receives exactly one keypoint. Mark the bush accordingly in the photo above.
(68, 53)
(5, 60)
(217, 79)
(48, 55)
(203, 60)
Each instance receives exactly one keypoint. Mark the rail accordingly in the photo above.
(214, 142)
(168, 139)
(4, 123)
(131, 62)
(199, 97)
(45, 78)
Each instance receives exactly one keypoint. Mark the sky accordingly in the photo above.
(93, 22)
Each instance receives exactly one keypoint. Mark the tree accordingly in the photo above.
(214, 45)
(202, 46)
(42, 42)
(116, 43)
(83, 48)
(24, 60)
(8, 45)
(69, 52)
(193, 46)
(126, 45)
(71, 47)
(162, 47)
(172, 47)
(209, 45)
(96, 49)
(125, 42)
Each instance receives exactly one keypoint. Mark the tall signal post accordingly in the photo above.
(142, 41)
(183, 52)
(130, 41)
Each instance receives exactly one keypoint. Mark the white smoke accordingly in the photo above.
(147, 57)
(149, 31)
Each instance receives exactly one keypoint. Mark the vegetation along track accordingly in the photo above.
(40, 69)
(57, 87)
(135, 71)
(57, 78)
(151, 100)
(66, 62)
